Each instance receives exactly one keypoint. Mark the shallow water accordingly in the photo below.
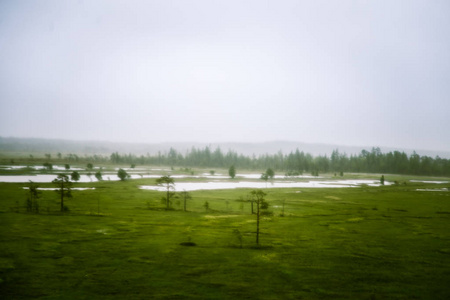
(430, 181)
(46, 178)
(218, 185)
(433, 190)
(217, 181)
(55, 168)
(54, 189)
(258, 176)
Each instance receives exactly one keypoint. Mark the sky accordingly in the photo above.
(356, 73)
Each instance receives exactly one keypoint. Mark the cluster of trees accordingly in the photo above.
(392, 162)
(298, 162)
(75, 158)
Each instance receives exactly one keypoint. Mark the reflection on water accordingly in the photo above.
(46, 178)
(218, 181)
(430, 181)
(38, 168)
(218, 185)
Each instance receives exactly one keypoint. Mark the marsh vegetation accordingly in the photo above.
(117, 240)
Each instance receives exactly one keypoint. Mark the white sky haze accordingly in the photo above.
(373, 73)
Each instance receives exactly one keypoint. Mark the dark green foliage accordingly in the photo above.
(122, 174)
(98, 175)
(206, 205)
(264, 176)
(382, 180)
(32, 203)
(48, 166)
(89, 166)
(270, 173)
(297, 162)
(232, 171)
(67, 166)
(75, 176)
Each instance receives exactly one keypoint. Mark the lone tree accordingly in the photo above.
(258, 196)
(64, 188)
(98, 175)
(270, 173)
(75, 176)
(167, 182)
(382, 180)
(265, 177)
(122, 174)
(206, 205)
(232, 172)
(186, 196)
(48, 166)
(33, 195)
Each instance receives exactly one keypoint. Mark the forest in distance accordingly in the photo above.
(296, 162)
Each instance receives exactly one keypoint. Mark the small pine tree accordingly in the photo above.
(232, 172)
(75, 176)
(122, 174)
(32, 203)
(98, 175)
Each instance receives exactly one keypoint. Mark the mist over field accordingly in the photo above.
(357, 74)
(25, 147)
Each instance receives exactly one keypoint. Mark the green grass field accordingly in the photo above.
(117, 242)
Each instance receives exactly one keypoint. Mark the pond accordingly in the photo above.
(218, 185)
(42, 178)
(54, 189)
(434, 190)
(37, 168)
(430, 181)
(45, 178)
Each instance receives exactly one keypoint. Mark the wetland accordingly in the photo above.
(354, 239)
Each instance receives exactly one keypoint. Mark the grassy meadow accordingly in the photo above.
(118, 242)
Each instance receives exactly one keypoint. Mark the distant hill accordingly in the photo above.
(26, 146)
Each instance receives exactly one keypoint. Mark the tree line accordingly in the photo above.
(296, 162)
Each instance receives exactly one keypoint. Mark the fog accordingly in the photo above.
(341, 72)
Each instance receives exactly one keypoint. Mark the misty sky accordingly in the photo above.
(373, 73)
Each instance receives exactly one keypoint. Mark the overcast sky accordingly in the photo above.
(365, 73)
